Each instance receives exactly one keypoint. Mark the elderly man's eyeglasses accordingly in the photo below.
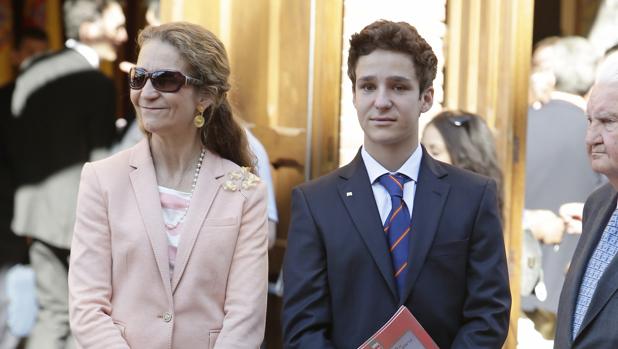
(162, 80)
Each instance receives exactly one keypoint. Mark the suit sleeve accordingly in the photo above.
(246, 294)
(488, 302)
(90, 271)
(306, 300)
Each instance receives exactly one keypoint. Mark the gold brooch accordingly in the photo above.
(240, 180)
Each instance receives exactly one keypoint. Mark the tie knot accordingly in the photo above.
(393, 183)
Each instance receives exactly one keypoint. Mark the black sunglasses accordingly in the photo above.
(162, 80)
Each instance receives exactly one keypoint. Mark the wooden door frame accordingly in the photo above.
(487, 70)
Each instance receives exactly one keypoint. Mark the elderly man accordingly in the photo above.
(589, 302)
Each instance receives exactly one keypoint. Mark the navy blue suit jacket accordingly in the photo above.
(338, 276)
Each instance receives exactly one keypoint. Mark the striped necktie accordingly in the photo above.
(601, 257)
(397, 226)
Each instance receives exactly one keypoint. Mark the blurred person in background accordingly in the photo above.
(180, 213)
(64, 112)
(557, 170)
(263, 167)
(29, 43)
(542, 79)
(464, 140)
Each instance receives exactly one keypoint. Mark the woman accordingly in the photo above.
(170, 241)
(464, 140)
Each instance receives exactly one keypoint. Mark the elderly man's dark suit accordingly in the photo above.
(339, 283)
(598, 329)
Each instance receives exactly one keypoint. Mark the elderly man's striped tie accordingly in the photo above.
(397, 226)
(602, 256)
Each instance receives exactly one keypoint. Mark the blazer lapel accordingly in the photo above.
(608, 284)
(209, 181)
(144, 182)
(366, 217)
(429, 201)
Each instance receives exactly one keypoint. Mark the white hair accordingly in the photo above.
(607, 71)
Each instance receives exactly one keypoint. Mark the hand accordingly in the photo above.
(542, 83)
(572, 213)
(545, 225)
(125, 66)
(272, 233)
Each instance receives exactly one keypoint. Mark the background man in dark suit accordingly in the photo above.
(63, 113)
(588, 306)
(557, 170)
(394, 226)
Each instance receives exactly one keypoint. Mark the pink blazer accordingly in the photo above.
(120, 294)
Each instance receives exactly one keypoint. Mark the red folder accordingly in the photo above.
(401, 331)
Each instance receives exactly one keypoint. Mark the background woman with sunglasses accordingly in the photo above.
(464, 140)
(170, 242)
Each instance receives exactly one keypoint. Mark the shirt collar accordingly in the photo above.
(88, 52)
(409, 168)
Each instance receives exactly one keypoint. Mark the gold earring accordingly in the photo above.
(198, 120)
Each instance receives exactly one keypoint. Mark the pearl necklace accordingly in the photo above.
(193, 185)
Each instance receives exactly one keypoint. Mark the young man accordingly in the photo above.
(394, 226)
(557, 171)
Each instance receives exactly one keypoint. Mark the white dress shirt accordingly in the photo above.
(88, 52)
(410, 168)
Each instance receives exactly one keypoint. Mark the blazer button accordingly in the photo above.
(167, 317)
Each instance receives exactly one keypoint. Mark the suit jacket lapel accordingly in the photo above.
(209, 181)
(429, 201)
(366, 217)
(144, 181)
(608, 284)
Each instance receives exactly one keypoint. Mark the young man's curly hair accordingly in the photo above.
(398, 37)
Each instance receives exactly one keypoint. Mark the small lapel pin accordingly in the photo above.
(348, 193)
